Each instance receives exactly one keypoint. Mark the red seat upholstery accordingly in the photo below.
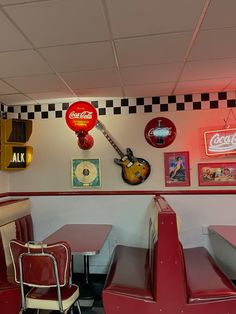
(182, 281)
(46, 269)
(15, 222)
(131, 276)
(211, 283)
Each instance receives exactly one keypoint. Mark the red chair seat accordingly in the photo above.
(131, 276)
(51, 293)
(205, 280)
(45, 298)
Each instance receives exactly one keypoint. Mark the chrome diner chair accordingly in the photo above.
(46, 270)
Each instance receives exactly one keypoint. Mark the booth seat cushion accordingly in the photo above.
(129, 273)
(205, 281)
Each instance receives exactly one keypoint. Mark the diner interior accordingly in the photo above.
(117, 156)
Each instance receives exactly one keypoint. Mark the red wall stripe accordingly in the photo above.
(148, 192)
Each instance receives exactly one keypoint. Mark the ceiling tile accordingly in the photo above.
(14, 99)
(11, 38)
(202, 86)
(8, 2)
(138, 17)
(107, 92)
(218, 68)
(220, 14)
(37, 84)
(52, 97)
(232, 85)
(159, 89)
(50, 23)
(167, 72)
(152, 49)
(212, 44)
(6, 89)
(22, 63)
(92, 79)
(80, 57)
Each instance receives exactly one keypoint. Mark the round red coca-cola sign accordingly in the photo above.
(81, 116)
(160, 132)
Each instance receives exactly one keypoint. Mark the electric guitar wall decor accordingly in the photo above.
(134, 170)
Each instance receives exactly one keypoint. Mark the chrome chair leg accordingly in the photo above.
(78, 306)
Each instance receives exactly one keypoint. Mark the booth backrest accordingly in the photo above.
(168, 255)
(15, 223)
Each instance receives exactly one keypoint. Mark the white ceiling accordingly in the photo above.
(66, 49)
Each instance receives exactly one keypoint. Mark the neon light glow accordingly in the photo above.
(220, 142)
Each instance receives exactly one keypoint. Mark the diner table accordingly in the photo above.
(226, 232)
(84, 239)
(223, 243)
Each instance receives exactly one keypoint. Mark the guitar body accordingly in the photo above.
(134, 170)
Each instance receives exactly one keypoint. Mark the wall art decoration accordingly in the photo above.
(177, 169)
(220, 173)
(220, 142)
(160, 132)
(86, 173)
(81, 117)
(135, 170)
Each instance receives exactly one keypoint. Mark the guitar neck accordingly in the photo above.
(112, 143)
(100, 126)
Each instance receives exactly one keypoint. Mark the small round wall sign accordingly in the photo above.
(160, 132)
(81, 116)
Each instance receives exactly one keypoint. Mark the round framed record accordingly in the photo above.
(86, 173)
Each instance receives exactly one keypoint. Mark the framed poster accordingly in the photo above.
(177, 169)
(85, 173)
(220, 173)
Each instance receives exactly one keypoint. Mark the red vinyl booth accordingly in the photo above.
(15, 222)
(165, 278)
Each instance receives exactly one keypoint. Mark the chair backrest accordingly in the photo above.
(38, 263)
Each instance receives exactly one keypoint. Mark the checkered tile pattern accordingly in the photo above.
(156, 104)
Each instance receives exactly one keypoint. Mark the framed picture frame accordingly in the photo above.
(215, 174)
(86, 173)
(177, 169)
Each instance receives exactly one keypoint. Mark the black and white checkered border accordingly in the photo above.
(203, 101)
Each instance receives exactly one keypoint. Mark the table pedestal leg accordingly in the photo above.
(86, 269)
(86, 287)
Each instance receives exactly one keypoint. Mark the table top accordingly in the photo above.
(227, 232)
(84, 239)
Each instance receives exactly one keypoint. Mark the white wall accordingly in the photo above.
(55, 145)
(129, 215)
(4, 181)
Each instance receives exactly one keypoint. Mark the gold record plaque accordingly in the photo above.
(86, 173)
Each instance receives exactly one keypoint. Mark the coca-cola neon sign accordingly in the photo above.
(81, 116)
(220, 142)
